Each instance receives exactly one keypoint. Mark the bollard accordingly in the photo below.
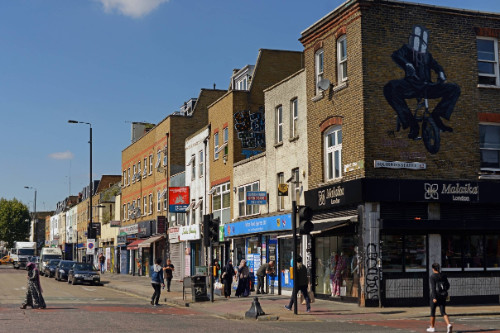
(255, 309)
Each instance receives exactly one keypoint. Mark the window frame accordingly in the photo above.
(135, 173)
(128, 176)
(248, 210)
(279, 124)
(145, 204)
(193, 167)
(280, 204)
(200, 163)
(150, 164)
(216, 146)
(481, 149)
(332, 149)
(319, 68)
(150, 203)
(294, 116)
(342, 62)
(495, 62)
(145, 172)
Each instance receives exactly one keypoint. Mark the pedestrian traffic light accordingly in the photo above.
(305, 224)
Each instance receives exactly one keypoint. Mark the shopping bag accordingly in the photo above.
(310, 293)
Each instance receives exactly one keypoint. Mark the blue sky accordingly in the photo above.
(111, 62)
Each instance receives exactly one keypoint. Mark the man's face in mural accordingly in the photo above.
(419, 39)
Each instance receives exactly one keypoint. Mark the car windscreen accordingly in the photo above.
(26, 252)
(51, 256)
(66, 264)
(83, 267)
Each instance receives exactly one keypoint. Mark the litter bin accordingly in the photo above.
(199, 288)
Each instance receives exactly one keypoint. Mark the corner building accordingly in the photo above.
(402, 191)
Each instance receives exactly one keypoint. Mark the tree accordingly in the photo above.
(14, 221)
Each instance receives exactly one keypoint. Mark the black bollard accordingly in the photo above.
(255, 309)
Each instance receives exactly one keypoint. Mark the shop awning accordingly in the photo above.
(198, 204)
(135, 244)
(150, 241)
(333, 223)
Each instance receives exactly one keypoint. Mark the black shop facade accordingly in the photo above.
(375, 240)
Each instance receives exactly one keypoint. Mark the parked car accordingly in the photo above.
(5, 260)
(84, 272)
(50, 268)
(62, 269)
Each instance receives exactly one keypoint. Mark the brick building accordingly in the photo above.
(237, 127)
(147, 165)
(401, 190)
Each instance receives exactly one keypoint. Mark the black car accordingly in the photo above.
(62, 269)
(50, 268)
(84, 272)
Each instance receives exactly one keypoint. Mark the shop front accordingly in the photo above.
(176, 252)
(191, 237)
(261, 240)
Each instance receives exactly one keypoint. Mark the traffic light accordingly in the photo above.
(305, 224)
(206, 233)
(210, 229)
(214, 229)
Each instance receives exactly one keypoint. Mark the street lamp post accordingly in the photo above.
(89, 228)
(33, 226)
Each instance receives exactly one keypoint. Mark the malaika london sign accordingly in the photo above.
(457, 191)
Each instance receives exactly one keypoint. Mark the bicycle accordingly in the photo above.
(429, 131)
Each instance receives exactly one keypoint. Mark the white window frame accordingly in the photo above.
(145, 204)
(135, 173)
(158, 201)
(165, 203)
(150, 203)
(145, 172)
(222, 191)
(341, 61)
(319, 68)
(294, 117)
(488, 148)
(128, 210)
(279, 124)
(128, 176)
(200, 163)
(331, 161)
(495, 62)
(243, 208)
(216, 146)
(165, 156)
(280, 179)
(124, 212)
(151, 164)
(193, 167)
(139, 204)
(124, 181)
(139, 170)
(295, 175)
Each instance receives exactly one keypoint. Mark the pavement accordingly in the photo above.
(273, 305)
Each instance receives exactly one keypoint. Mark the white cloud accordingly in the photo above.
(67, 155)
(132, 8)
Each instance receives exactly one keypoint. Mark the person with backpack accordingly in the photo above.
(439, 294)
(157, 281)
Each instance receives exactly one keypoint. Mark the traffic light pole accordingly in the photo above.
(294, 254)
(211, 268)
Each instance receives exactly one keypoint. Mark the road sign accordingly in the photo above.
(90, 246)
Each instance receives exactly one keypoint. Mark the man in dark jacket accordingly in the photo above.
(156, 281)
(261, 273)
(301, 280)
(417, 63)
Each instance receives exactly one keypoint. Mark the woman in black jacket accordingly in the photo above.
(437, 299)
(227, 278)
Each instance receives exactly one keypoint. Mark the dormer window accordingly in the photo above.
(241, 78)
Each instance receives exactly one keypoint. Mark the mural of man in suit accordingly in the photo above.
(417, 63)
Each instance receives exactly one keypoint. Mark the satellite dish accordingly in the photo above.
(324, 84)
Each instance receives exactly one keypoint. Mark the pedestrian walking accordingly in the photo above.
(301, 280)
(102, 260)
(439, 294)
(243, 280)
(34, 296)
(169, 273)
(217, 269)
(261, 273)
(157, 281)
(227, 275)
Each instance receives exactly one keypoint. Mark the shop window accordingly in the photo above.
(415, 252)
(465, 252)
(451, 252)
(493, 252)
(489, 144)
(474, 252)
(336, 266)
(243, 208)
(392, 260)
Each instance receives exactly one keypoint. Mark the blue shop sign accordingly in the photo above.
(263, 224)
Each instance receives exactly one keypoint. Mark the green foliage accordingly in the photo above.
(14, 221)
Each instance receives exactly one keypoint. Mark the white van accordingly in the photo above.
(49, 253)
